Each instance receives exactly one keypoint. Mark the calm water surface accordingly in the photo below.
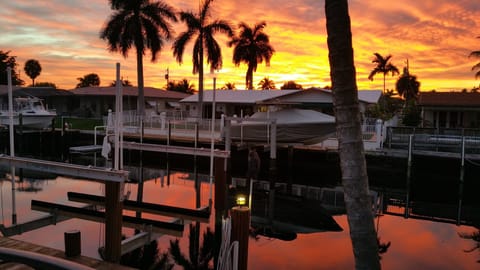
(415, 244)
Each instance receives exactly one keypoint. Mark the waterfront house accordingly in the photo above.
(450, 109)
(95, 101)
(247, 102)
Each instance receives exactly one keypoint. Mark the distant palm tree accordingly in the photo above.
(407, 86)
(199, 258)
(349, 134)
(124, 83)
(266, 84)
(252, 46)
(291, 85)
(229, 86)
(384, 66)
(32, 69)
(477, 65)
(141, 24)
(91, 79)
(199, 26)
(183, 86)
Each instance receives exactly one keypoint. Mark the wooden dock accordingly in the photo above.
(6, 242)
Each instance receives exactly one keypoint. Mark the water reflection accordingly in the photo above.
(429, 237)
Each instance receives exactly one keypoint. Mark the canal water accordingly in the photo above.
(426, 223)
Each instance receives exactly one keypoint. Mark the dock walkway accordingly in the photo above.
(6, 242)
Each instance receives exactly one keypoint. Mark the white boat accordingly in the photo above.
(292, 126)
(30, 112)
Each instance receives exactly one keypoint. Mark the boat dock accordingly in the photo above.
(10, 245)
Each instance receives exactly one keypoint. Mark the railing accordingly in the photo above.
(434, 139)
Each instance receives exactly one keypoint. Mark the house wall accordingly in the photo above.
(451, 118)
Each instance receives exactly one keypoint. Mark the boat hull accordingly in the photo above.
(29, 121)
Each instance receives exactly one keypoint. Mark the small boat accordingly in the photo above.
(292, 126)
(30, 112)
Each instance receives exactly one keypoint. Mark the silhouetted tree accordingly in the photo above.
(266, 84)
(32, 69)
(349, 133)
(407, 86)
(291, 85)
(183, 86)
(91, 79)
(198, 259)
(8, 61)
(229, 86)
(477, 65)
(252, 46)
(124, 83)
(204, 30)
(45, 84)
(141, 24)
(383, 66)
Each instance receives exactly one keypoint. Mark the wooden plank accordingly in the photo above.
(97, 216)
(87, 261)
(201, 215)
(175, 149)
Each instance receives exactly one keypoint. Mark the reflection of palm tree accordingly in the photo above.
(475, 236)
(384, 66)
(198, 25)
(147, 257)
(200, 258)
(251, 47)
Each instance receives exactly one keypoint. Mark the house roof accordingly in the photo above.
(34, 91)
(314, 95)
(149, 92)
(449, 99)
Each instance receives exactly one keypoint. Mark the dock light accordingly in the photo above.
(241, 200)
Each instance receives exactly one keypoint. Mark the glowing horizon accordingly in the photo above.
(435, 36)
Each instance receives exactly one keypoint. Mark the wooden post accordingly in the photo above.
(290, 169)
(240, 231)
(73, 246)
(409, 172)
(113, 221)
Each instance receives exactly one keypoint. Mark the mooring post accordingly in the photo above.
(240, 231)
(460, 186)
(113, 221)
(409, 169)
(272, 170)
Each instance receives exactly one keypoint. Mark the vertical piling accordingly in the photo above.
(240, 230)
(409, 171)
(113, 221)
(460, 186)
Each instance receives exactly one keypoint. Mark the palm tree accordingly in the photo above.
(91, 79)
(252, 46)
(477, 65)
(123, 82)
(183, 86)
(229, 86)
(291, 85)
(141, 24)
(266, 84)
(349, 133)
(204, 30)
(407, 86)
(32, 69)
(383, 66)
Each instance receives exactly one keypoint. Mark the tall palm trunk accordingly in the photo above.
(249, 77)
(200, 78)
(352, 157)
(141, 96)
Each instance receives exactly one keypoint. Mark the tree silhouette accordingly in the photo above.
(349, 133)
(477, 65)
(383, 66)
(291, 85)
(183, 86)
(252, 46)
(199, 259)
(8, 61)
(91, 79)
(266, 84)
(229, 86)
(141, 24)
(199, 26)
(124, 83)
(407, 85)
(46, 84)
(475, 236)
(32, 69)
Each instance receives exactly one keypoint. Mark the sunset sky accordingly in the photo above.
(436, 36)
